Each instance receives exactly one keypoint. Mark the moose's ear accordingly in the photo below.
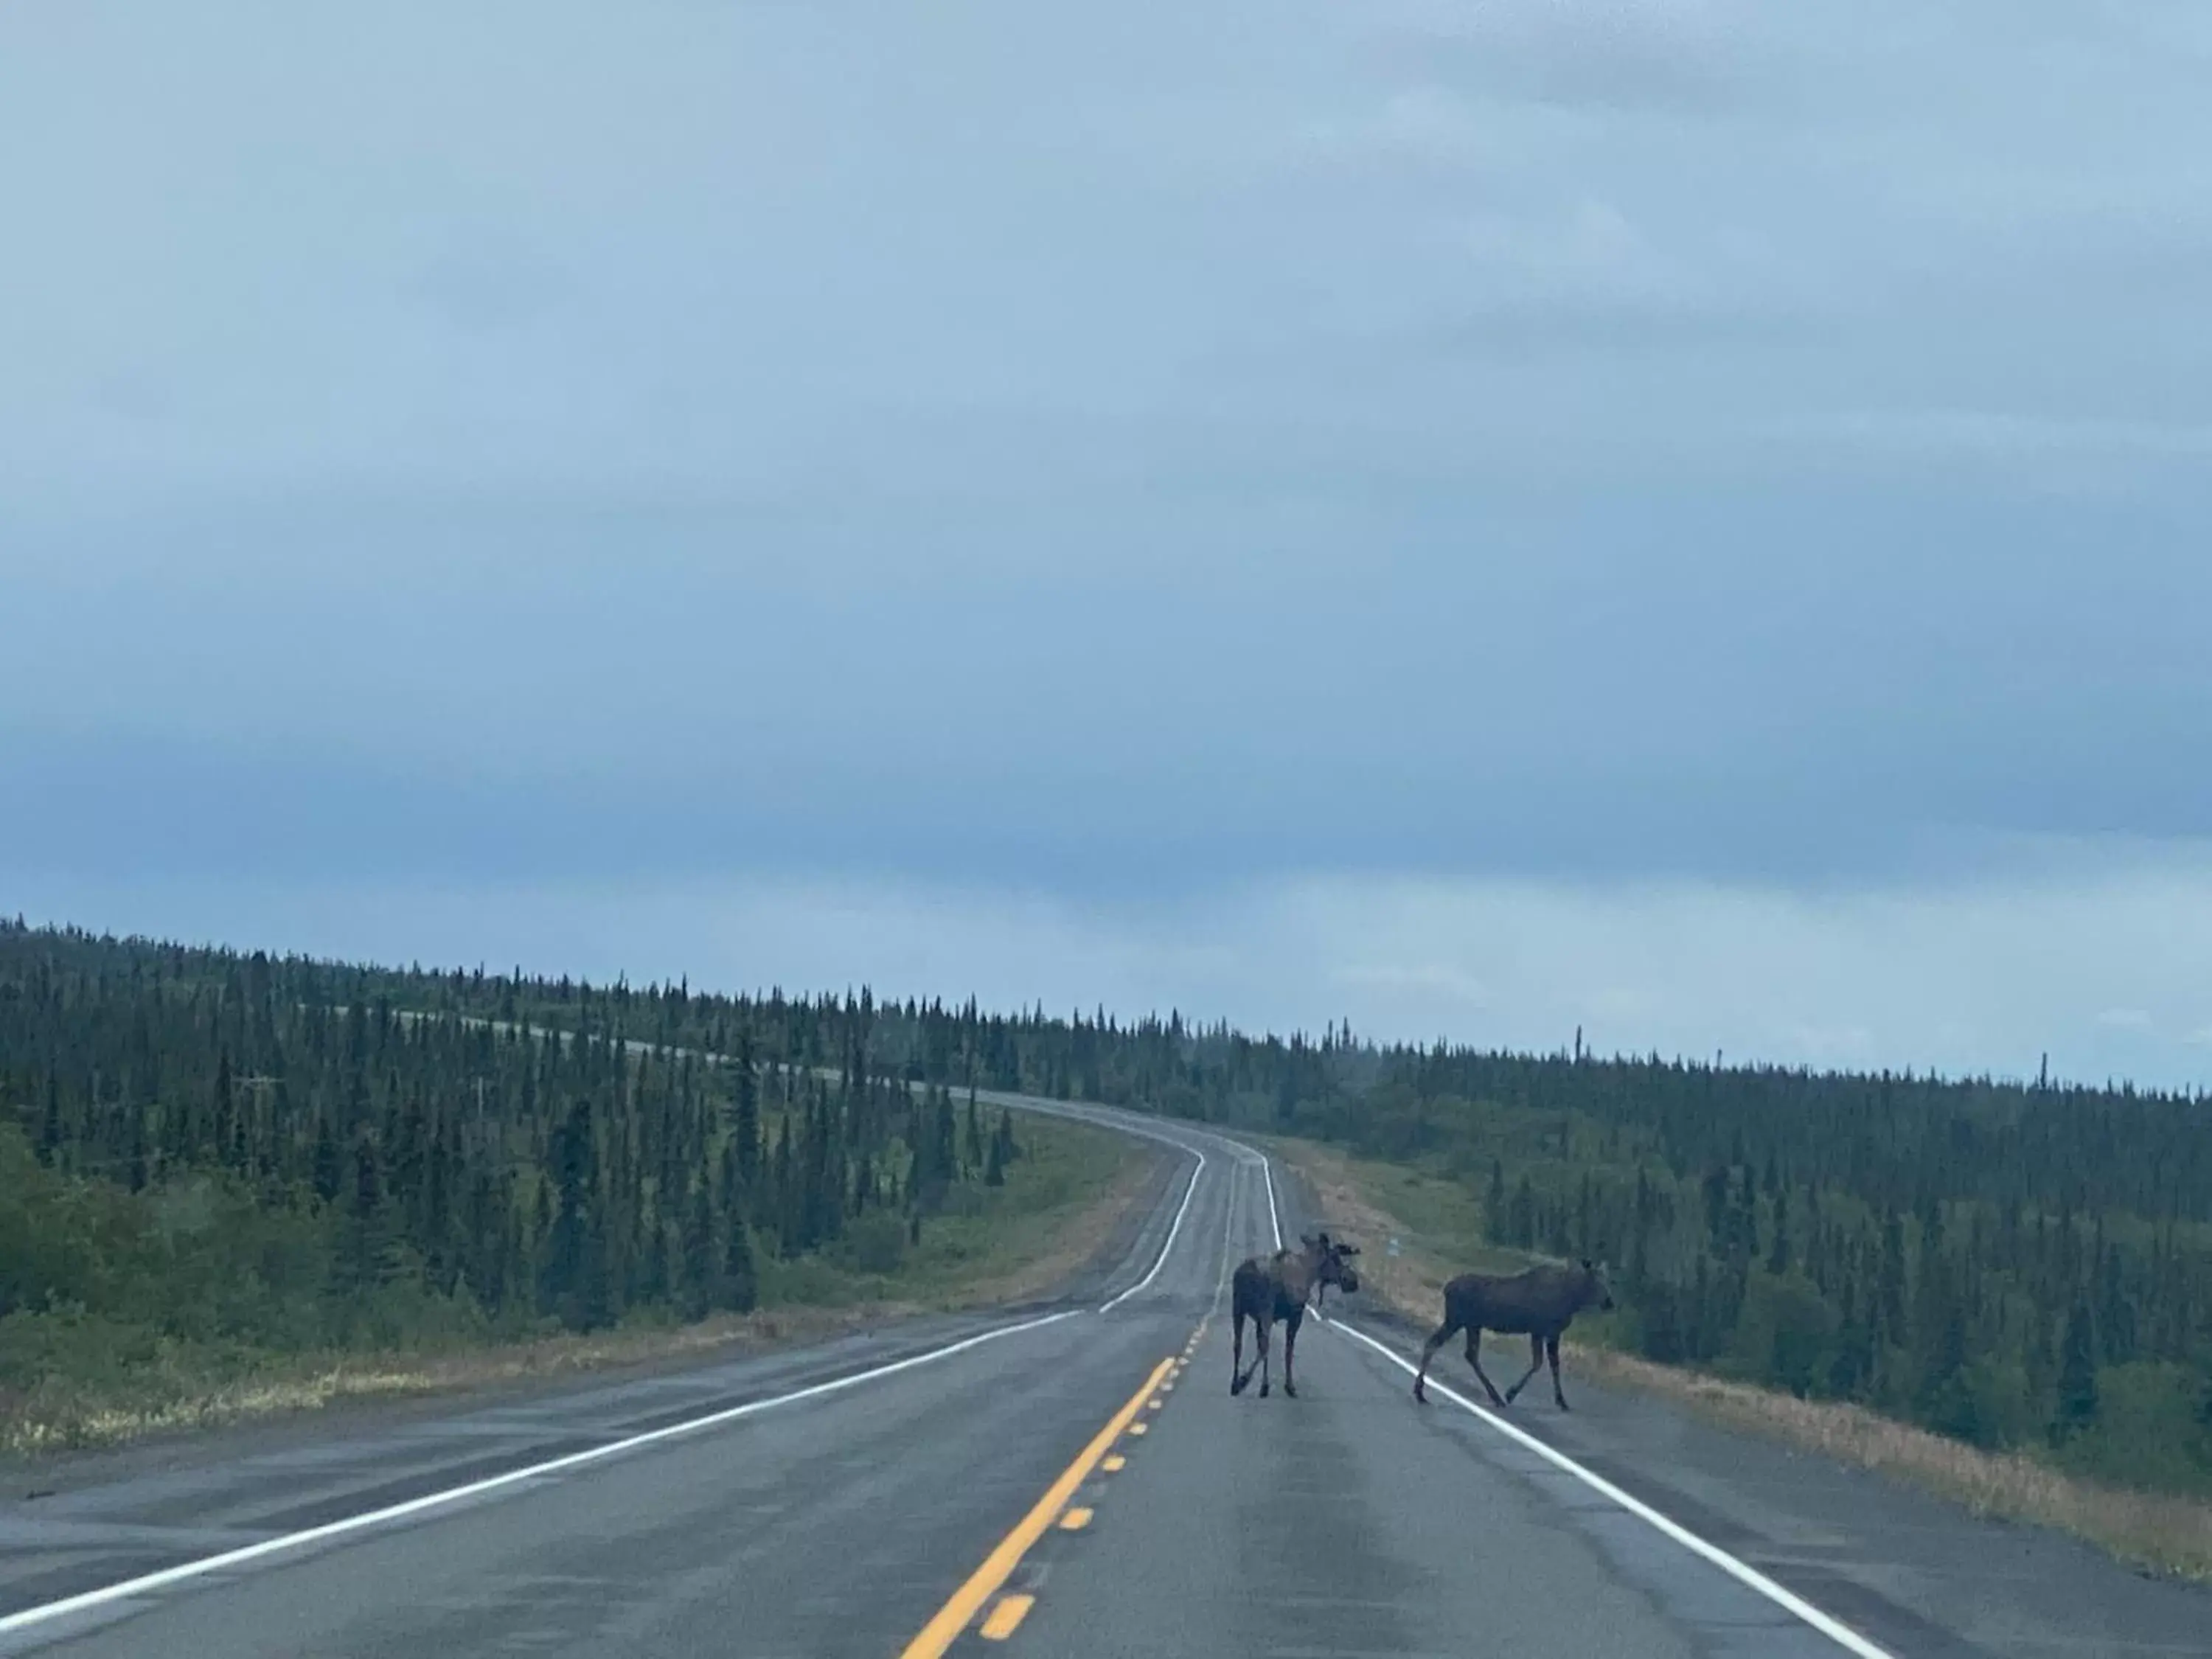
(1586, 1265)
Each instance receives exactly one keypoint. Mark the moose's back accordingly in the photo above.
(1539, 1301)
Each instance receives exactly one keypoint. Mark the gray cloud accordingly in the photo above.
(1635, 440)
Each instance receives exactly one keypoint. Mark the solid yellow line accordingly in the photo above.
(1006, 1618)
(940, 1633)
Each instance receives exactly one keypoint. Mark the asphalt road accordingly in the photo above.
(1070, 1479)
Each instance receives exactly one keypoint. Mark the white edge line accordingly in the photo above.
(1188, 1193)
(1837, 1632)
(1842, 1634)
(153, 1581)
(1275, 1221)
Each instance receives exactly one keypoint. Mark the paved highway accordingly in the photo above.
(1069, 1479)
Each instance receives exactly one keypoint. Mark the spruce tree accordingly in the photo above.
(360, 1258)
(652, 1279)
(943, 1156)
(50, 1121)
(740, 1286)
(697, 1288)
(745, 1127)
(571, 1284)
(2077, 1376)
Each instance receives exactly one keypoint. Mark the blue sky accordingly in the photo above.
(1679, 516)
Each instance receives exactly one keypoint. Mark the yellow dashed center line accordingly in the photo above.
(1075, 1520)
(1006, 1618)
(954, 1617)
(1115, 1464)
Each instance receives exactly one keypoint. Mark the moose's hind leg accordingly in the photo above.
(1551, 1353)
(1238, 1377)
(1474, 1359)
(1536, 1365)
(1443, 1334)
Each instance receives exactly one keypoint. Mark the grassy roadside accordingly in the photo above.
(1438, 1222)
(64, 1387)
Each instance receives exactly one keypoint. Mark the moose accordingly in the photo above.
(1320, 1285)
(1539, 1304)
(1277, 1288)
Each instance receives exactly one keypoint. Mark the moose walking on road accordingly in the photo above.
(1539, 1304)
(1320, 1285)
(1277, 1288)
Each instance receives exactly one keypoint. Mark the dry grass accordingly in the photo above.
(2153, 1531)
(2167, 1533)
(314, 1383)
(1064, 1242)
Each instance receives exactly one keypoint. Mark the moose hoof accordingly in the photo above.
(1263, 1391)
(1289, 1393)
(1236, 1388)
(1420, 1398)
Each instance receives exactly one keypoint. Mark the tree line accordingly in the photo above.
(332, 1156)
(2015, 1263)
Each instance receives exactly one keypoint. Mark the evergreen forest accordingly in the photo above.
(279, 1150)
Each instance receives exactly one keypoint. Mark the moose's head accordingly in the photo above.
(1332, 1261)
(1597, 1291)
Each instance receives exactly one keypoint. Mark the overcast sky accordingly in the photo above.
(1685, 517)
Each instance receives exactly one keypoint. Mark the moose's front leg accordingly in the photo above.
(1290, 1349)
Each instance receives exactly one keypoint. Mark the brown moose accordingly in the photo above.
(1320, 1285)
(1277, 1288)
(1539, 1304)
